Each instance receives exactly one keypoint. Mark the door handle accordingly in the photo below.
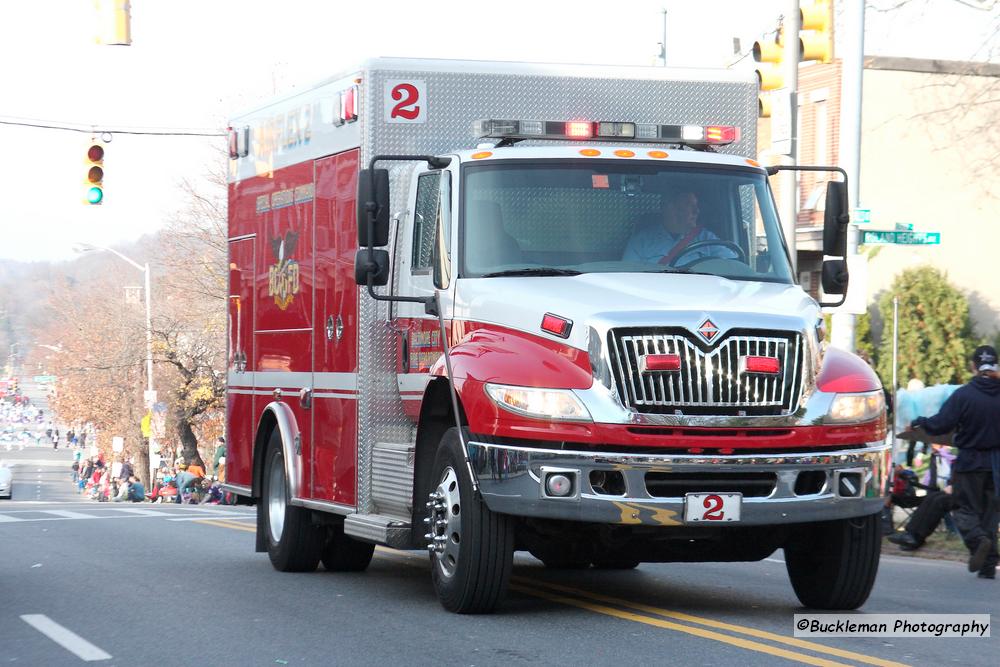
(405, 336)
(305, 397)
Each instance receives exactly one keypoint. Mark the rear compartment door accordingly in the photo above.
(240, 385)
(283, 337)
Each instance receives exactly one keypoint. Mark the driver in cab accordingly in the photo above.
(676, 235)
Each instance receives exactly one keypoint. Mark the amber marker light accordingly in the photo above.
(590, 152)
(753, 163)
(659, 155)
(480, 156)
(624, 153)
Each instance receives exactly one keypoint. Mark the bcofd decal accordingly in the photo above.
(283, 276)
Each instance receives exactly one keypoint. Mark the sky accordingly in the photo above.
(194, 63)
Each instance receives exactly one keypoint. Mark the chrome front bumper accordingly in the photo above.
(511, 482)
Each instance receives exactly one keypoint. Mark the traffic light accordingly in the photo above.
(816, 34)
(769, 52)
(94, 181)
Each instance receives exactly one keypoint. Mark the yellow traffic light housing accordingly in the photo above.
(816, 35)
(94, 180)
(769, 52)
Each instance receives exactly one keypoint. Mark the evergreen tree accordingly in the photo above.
(935, 332)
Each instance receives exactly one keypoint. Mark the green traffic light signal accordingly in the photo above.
(95, 174)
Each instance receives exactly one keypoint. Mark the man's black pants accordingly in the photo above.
(978, 510)
(929, 514)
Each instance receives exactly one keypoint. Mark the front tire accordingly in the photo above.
(293, 542)
(832, 564)
(471, 547)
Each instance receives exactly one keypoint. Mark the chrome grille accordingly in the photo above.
(710, 380)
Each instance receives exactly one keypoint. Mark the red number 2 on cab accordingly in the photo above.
(405, 101)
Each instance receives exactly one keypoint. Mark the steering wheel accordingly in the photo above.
(740, 255)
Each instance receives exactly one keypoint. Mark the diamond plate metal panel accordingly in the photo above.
(460, 93)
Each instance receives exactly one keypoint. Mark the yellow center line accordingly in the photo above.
(225, 523)
(638, 618)
(721, 625)
(677, 627)
(521, 585)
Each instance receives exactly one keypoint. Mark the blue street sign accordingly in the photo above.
(902, 237)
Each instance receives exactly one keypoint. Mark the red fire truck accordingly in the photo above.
(482, 307)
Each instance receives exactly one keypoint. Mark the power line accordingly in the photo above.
(95, 129)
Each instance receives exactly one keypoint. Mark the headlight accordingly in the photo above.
(539, 403)
(860, 407)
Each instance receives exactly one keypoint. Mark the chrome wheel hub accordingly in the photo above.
(276, 498)
(444, 537)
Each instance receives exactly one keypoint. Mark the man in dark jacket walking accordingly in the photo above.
(973, 413)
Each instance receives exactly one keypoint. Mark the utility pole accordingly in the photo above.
(853, 55)
(789, 181)
(663, 44)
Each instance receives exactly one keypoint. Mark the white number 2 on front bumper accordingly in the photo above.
(712, 507)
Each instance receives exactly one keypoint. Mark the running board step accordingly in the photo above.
(378, 528)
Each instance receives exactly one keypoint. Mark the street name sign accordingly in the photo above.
(901, 237)
(862, 216)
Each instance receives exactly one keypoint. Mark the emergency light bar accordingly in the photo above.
(693, 135)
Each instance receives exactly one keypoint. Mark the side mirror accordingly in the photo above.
(835, 220)
(442, 236)
(371, 262)
(835, 276)
(375, 199)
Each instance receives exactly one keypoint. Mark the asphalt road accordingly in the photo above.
(180, 585)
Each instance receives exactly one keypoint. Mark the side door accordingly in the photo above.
(335, 398)
(419, 333)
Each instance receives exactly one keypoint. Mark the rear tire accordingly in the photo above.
(345, 554)
(293, 542)
(471, 565)
(832, 564)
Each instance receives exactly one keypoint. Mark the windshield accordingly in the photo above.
(612, 216)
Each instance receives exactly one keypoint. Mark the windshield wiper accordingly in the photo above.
(675, 269)
(533, 271)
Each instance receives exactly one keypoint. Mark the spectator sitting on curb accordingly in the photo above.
(196, 470)
(136, 491)
(925, 520)
(184, 481)
(123, 492)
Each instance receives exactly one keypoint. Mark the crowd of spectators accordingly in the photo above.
(117, 481)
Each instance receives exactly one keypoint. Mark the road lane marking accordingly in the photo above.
(131, 514)
(66, 514)
(521, 585)
(677, 627)
(639, 618)
(719, 625)
(66, 638)
(224, 516)
(226, 524)
(137, 511)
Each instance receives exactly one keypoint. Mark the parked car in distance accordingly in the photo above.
(6, 481)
